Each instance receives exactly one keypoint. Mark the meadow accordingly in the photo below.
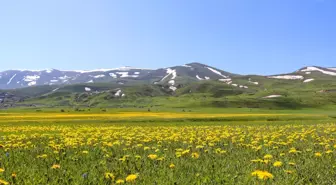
(167, 147)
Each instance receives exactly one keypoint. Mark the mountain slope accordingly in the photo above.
(174, 76)
(188, 85)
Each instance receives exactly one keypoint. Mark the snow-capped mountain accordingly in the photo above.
(173, 76)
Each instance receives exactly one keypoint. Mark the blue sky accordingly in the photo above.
(240, 36)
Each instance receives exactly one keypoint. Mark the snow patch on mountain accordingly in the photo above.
(173, 88)
(308, 80)
(118, 93)
(87, 89)
(126, 74)
(55, 90)
(287, 77)
(217, 72)
(273, 96)
(310, 69)
(99, 76)
(113, 75)
(49, 70)
(65, 77)
(10, 80)
(199, 78)
(250, 80)
(32, 83)
(172, 82)
(185, 65)
(90, 81)
(31, 78)
(332, 68)
(225, 80)
(170, 72)
(125, 68)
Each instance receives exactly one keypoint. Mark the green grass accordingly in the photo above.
(87, 149)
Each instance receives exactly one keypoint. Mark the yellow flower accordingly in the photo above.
(152, 156)
(185, 152)
(263, 175)
(268, 156)
(291, 163)
(85, 152)
(120, 181)
(266, 161)
(256, 160)
(318, 154)
(172, 166)
(160, 159)
(2, 170)
(277, 163)
(131, 178)
(2, 182)
(293, 150)
(288, 171)
(14, 175)
(42, 156)
(329, 151)
(195, 155)
(56, 166)
(109, 175)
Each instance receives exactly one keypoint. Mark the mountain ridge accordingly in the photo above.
(173, 76)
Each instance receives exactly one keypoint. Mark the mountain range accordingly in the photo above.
(12, 79)
(188, 85)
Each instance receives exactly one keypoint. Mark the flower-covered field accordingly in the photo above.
(167, 154)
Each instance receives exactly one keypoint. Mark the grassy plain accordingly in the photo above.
(209, 146)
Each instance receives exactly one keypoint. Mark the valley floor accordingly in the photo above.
(205, 146)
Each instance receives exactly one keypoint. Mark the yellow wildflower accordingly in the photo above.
(268, 156)
(42, 156)
(131, 178)
(152, 156)
(172, 166)
(56, 166)
(277, 163)
(120, 181)
(263, 175)
(288, 171)
(195, 155)
(109, 175)
(329, 151)
(292, 163)
(318, 154)
(2, 182)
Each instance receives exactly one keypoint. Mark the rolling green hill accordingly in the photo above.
(309, 87)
